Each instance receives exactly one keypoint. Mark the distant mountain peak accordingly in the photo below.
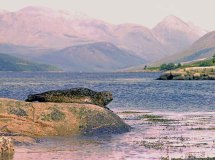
(172, 18)
(31, 9)
(172, 22)
(175, 23)
(173, 31)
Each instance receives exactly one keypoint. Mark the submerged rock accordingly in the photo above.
(74, 95)
(57, 119)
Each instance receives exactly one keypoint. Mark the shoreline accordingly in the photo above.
(173, 134)
(158, 134)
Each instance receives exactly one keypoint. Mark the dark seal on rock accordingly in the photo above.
(74, 95)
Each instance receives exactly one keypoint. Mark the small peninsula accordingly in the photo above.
(191, 73)
(200, 70)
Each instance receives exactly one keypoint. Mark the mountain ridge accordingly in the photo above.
(203, 48)
(21, 28)
(93, 57)
(176, 34)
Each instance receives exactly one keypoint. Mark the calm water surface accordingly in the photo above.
(132, 91)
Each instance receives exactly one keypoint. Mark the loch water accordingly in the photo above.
(131, 91)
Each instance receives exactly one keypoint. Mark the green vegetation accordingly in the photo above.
(55, 115)
(172, 66)
(154, 118)
(213, 59)
(11, 63)
(17, 111)
(152, 68)
(130, 112)
(152, 145)
(204, 63)
(149, 116)
(164, 67)
(161, 120)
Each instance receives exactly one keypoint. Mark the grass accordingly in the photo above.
(149, 116)
(153, 69)
(202, 63)
(154, 118)
(200, 129)
(160, 120)
(151, 145)
(130, 112)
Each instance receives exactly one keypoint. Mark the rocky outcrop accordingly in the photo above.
(191, 73)
(57, 119)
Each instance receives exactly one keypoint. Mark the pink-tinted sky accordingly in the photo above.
(146, 12)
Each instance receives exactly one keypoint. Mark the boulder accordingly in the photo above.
(57, 119)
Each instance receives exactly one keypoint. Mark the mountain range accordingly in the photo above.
(64, 39)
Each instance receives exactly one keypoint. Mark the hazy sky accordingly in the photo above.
(146, 12)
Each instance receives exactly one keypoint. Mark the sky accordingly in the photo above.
(144, 12)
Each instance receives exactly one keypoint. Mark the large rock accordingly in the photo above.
(57, 119)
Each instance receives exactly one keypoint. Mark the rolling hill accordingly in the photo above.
(94, 57)
(11, 63)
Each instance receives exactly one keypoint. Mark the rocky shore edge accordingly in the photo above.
(191, 73)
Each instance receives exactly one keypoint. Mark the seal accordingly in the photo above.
(74, 95)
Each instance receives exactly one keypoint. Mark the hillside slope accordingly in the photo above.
(95, 57)
(203, 48)
(11, 63)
